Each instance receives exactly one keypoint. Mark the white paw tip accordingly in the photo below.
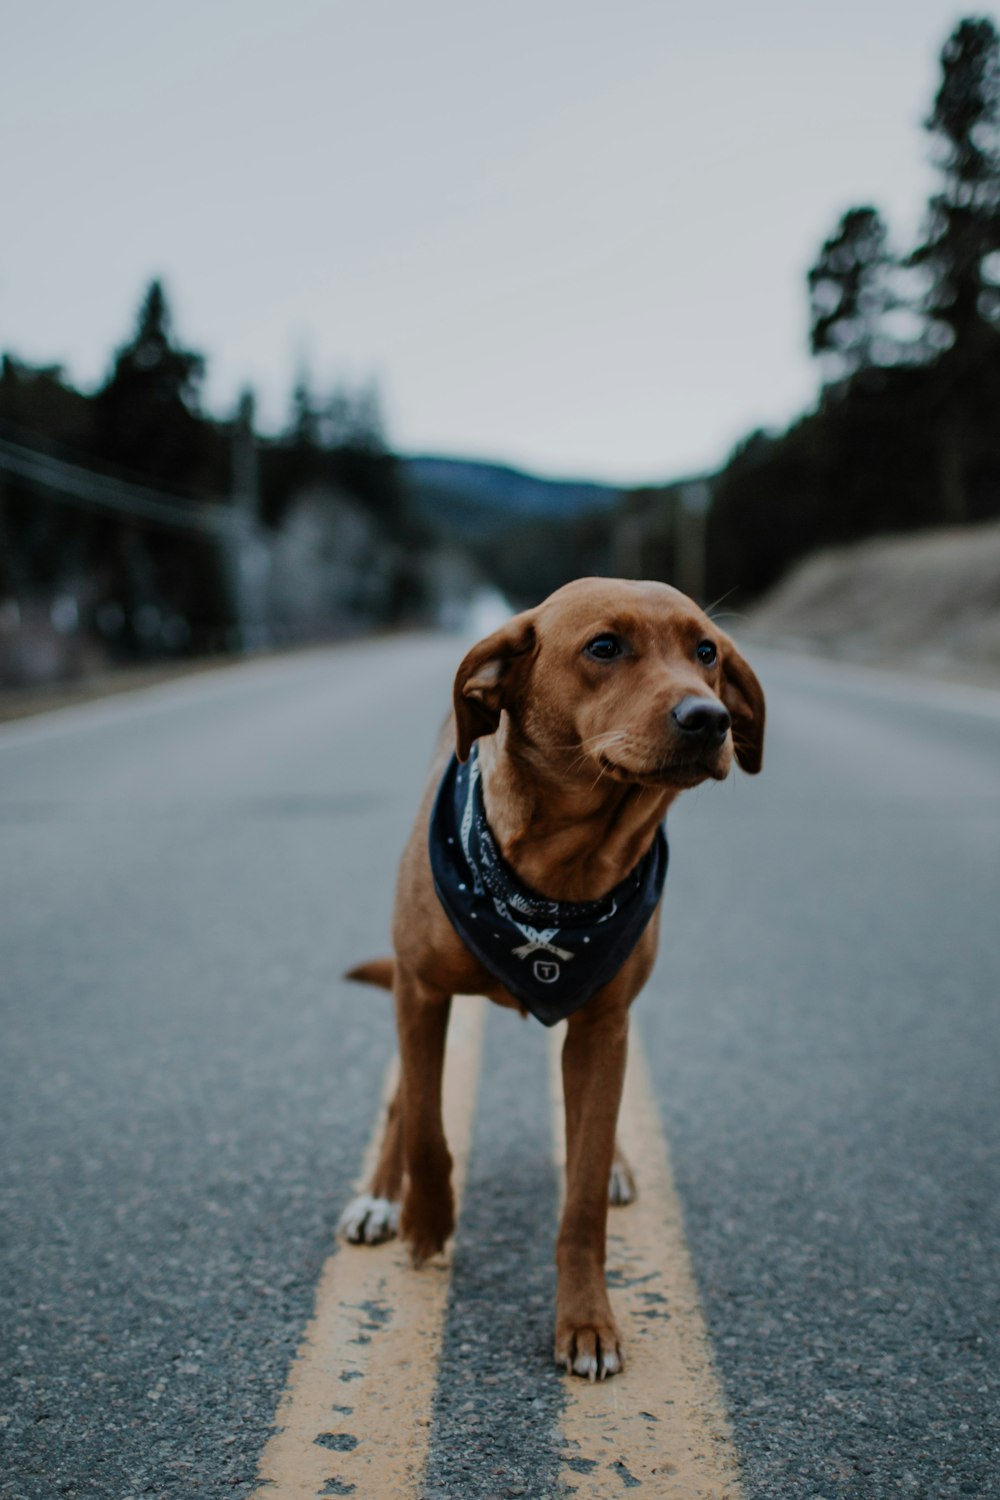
(621, 1189)
(369, 1221)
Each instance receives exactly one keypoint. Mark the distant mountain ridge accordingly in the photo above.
(470, 500)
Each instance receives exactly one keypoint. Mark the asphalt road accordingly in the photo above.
(187, 1087)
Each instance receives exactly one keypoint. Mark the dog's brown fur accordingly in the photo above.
(581, 759)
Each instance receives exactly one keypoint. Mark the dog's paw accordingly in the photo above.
(593, 1351)
(369, 1221)
(426, 1223)
(621, 1188)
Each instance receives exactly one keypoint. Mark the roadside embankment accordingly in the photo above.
(929, 602)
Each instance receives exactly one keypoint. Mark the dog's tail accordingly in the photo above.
(378, 971)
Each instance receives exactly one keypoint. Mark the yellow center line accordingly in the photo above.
(356, 1411)
(663, 1421)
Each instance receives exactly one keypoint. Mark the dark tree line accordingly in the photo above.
(144, 589)
(906, 433)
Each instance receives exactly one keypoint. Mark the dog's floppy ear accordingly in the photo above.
(482, 683)
(744, 697)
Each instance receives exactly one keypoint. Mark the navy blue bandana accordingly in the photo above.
(551, 955)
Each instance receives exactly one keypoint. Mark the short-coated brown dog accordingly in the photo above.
(586, 717)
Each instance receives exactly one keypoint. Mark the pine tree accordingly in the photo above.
(849, 296)
(303, 429)
(960, 255)
(166, 373)
(963, 233)
(148, 408)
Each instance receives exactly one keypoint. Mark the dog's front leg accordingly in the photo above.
(428, 1216)
(588, 1341)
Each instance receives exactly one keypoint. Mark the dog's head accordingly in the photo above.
(610, 677)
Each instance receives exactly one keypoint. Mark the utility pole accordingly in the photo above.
(248, 560)
(691, 537)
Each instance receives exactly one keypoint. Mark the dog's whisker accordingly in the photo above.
(709, 609)
(607, 739)
(592, 738)
(601, 773)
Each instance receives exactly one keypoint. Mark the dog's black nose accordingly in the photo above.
(703, 717)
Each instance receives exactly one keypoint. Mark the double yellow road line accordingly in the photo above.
(355, 1417)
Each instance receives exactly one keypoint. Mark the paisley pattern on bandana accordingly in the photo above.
(551, 955)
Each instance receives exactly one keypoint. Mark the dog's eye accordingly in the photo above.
(604, 647)
(706, 653)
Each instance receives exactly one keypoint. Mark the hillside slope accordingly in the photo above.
(461, 499)
(930, 601)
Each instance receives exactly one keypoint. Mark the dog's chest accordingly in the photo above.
(546, 956)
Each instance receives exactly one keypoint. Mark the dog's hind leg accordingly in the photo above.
(428, 1215)
(373, 1216)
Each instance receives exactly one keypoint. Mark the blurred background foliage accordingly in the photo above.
(134, 525)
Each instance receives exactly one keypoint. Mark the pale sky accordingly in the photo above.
(564, 234)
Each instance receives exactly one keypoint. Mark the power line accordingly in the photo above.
(84, 487)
